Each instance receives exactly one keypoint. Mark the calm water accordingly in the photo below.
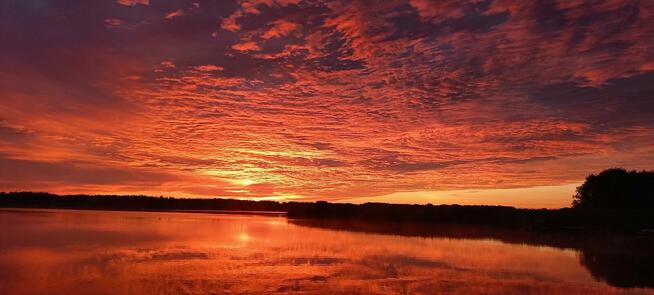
(96, 252)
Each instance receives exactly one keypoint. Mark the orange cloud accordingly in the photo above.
(209, 68)
(230, 24)
(174, 14)
(246, 46)
(133, 2)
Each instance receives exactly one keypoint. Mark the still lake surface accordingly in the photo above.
(104, 252)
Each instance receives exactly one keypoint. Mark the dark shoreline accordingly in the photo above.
(228, 212)
(564, 219)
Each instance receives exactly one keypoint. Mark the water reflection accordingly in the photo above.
(90, 252)
(620, 260)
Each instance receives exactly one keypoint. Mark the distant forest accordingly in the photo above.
(613, 199)
(565, 218)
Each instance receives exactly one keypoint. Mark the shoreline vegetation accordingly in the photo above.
(565, 219)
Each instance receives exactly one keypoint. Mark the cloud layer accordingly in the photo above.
(322, 99)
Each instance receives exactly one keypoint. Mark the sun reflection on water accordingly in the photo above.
(154, 253)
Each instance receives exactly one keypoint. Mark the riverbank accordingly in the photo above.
(564, 219)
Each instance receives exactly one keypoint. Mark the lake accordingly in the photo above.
(108, 252)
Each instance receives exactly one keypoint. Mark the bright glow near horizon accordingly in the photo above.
(533, 197)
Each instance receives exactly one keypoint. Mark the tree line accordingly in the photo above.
(613, 199)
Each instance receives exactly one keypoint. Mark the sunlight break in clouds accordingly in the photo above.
(325, 100)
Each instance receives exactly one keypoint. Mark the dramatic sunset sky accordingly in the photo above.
(474, 102)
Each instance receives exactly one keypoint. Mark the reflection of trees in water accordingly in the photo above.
(625, 261)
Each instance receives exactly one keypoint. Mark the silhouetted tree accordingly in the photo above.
(616, 188)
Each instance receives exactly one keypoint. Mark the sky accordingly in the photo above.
(505, 102)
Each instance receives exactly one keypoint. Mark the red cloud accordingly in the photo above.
(250, 7)
(112, 23)
(280, 28)
(335, 100)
